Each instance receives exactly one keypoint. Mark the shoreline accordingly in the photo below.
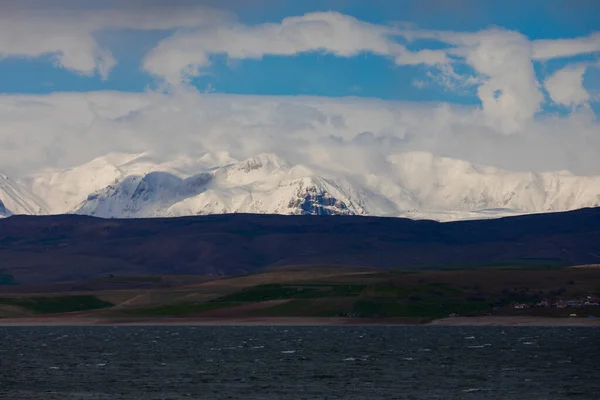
(500, 321)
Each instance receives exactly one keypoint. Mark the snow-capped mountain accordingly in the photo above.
(415, 185)
(16, 198)
(454, 185)
(262, 184)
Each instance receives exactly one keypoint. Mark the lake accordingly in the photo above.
(299, 363)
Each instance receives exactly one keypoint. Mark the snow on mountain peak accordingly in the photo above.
(217, 159)
(415, 184)
(16, 198)
(264, 167)
(266, 161)
(62, 190)
(147, 196)
(449, 184)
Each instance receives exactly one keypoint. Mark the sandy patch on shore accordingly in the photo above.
(516, 321)
(204, 321)
(233, 313)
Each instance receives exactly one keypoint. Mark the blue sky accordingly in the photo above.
(314, 73)
(487, 77)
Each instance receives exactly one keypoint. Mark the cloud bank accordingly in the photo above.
(67, 35)
(350, 134)
(501, 61)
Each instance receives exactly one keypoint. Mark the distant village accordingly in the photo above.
(588, 301)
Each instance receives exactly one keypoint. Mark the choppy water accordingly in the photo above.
(299, 363)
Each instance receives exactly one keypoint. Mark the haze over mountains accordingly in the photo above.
(416, 185)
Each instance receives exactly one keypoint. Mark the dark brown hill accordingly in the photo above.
(69, 247)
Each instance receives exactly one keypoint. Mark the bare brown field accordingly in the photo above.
(241, 310)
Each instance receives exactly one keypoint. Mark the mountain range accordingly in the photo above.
(416, 185)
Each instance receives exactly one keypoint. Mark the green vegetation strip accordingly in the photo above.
(330, 307)
(428, 300)
(281, 292)
(56, 305)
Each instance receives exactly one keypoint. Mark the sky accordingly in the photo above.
(346, 83)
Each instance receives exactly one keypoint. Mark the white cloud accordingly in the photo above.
(565, 86)
(557, 48)
(510, 93)
(501, 60)
(428, 57)
(348, 134)
(183, 55)
(506, 82)
(68, 34)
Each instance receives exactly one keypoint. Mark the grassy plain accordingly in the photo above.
(319, 292)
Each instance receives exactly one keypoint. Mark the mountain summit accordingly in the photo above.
(415, 185)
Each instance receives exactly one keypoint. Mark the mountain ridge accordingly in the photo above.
(415, 185)
(44, 249)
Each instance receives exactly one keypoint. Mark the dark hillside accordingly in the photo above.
(70, 247)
